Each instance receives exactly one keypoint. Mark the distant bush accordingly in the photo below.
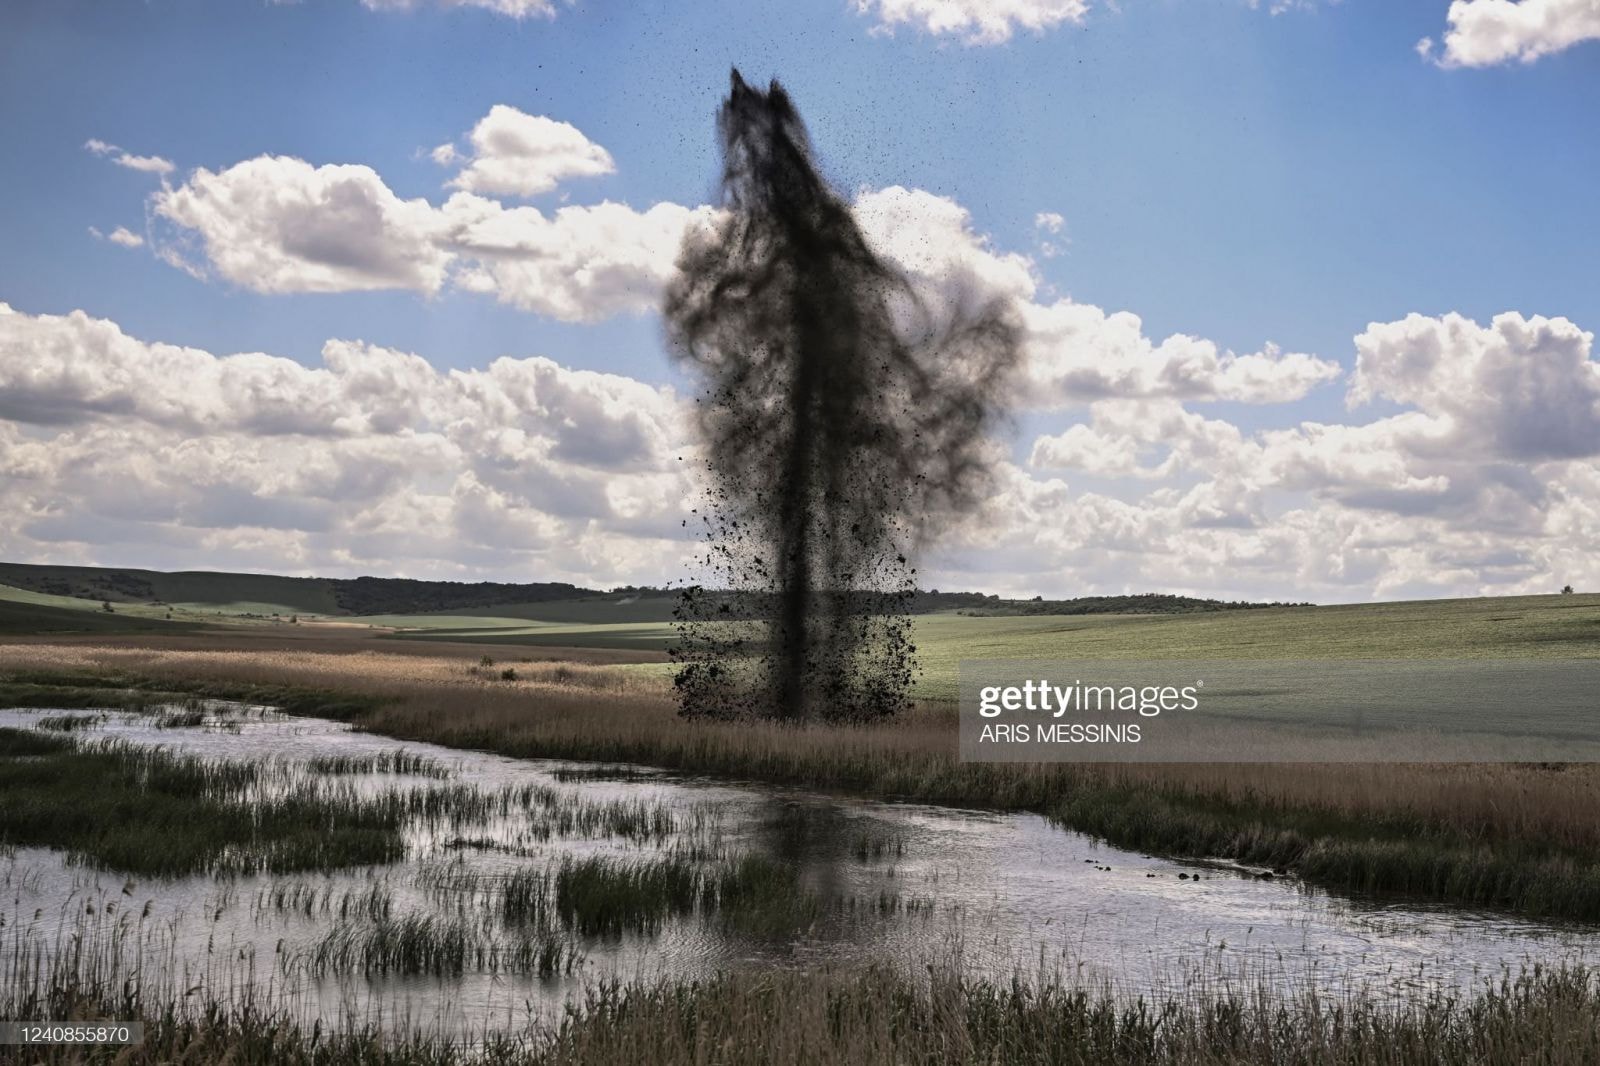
(388, 595)
(971, 603)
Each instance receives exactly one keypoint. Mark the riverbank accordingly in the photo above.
(1512, 838)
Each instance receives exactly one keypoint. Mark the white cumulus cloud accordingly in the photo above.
(578, 263)
(517, 154)
(1518, 388)
(113, 447)
(279, 224)
(372, 462)
(1484, 485)
(974, 21)
(1077, 353)
(1483, 33)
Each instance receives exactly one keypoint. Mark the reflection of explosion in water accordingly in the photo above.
(840, 411)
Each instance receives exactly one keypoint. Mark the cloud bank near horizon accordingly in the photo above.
(1141, 468)
(124, 451)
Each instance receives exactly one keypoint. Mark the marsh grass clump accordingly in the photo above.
(875, 846)
(757, 894)
(753, 894)
(541, 811)
(525, 897)
(605, 896)
(308, 899)
(148, 811)
(701, 837)
(181, 718)
(568, 774)
(22, 743)
(437, 946)
(633, 820)
(563, 814)
(398, 761)
(70, 723)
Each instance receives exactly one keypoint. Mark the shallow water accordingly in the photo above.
(902, 884)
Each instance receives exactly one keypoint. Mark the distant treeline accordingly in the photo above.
(979, 604)
(317, 595)
(107, 585)
(396, 595)
(1141, 603)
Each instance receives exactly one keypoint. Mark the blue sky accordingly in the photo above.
(1221, 170)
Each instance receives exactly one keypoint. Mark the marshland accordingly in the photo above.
(338, 846)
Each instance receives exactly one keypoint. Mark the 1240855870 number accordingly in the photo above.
(71, 1032)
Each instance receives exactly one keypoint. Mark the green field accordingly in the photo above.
(650, 636)
(33, 619)
(23, 611)
(596, 610)
(38, 613)
(1509, 627)
(1513, 627)
(1520, 627)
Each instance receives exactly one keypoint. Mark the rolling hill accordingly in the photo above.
(71, 599)
(265, 594)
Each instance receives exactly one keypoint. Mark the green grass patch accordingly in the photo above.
(148, 811)
(607, 896)
(437, 946)
(22, 618)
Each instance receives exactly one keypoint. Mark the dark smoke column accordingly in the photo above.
(841, 411)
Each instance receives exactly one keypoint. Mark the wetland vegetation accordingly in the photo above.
(383, 863)
(1513, 837)
(874, 1017)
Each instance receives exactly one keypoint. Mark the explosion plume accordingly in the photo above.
(843, 410)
